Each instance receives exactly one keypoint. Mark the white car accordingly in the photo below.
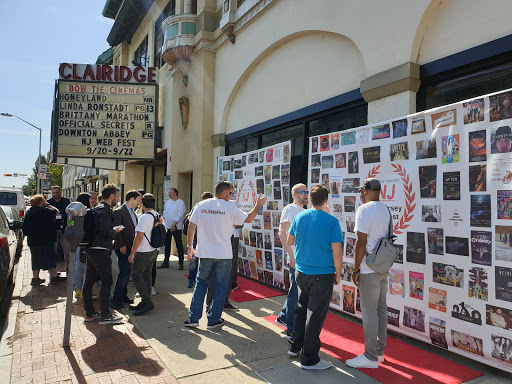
(13, 197)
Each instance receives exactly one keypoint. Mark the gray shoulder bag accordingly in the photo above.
(382, 257)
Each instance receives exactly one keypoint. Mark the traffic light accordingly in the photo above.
(7, 174)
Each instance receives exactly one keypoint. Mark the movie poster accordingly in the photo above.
(501, 140)
(414, 318)
(447, 274)
(336, 298)
(426, 149)
(478, 286)
(416, 285)
(353, 162)
(349, 294)
(341, 160)
(393, 316)
(396, 282)
(501, 349)
(415, 252)
(498, 317)
(437, 328)
(451, 186)
(346, 271)
(466, 312)
(437, 299)
(481, 247)
(399, 128)
(478, 178)
(503, 243)
(457, 245)
(349, 252)
(504, 208)
(473, 111)
(480, 211)
(371, 155)
(399, 151)
(467, 343)
(503, 281)
(477, 146)
(350, 203)
(435, 241)
(428, 179)
(335, 186)
(444, 119)
(450, 149)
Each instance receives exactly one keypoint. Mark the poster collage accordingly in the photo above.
(446, 176)
(266, 171)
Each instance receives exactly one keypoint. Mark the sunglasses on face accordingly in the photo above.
(303, 192)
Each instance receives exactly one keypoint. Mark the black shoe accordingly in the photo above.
(136, 307)
(162, 266)
(190, 285)
(230, 306)
(57, 279)
(180, 267)
(127, 300)
(110, 319)
(37, 281)
(116, 305)
(142, 310)
(218, 324)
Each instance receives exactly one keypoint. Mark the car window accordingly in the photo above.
(8, 198)
(8, 212)
(3, 220)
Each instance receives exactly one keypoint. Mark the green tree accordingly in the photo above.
(30, 188)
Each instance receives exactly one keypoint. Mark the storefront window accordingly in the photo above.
(294, 133)
(340, 121)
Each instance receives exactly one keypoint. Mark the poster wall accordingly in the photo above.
(266, 171)
(446, 176)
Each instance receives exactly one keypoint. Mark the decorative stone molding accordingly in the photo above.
(257, 10)
(405, 77)
(219, 140)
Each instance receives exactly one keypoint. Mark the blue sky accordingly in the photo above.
(35, 36)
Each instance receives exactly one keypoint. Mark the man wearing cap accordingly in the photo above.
(372, 224)
(502, 140)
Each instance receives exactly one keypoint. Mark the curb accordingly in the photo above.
(6, 353)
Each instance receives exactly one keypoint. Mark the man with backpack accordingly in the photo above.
(99, 263)
(372, 225)
(149, 236)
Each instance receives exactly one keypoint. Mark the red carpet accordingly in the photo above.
(404, 363)
(249, 290)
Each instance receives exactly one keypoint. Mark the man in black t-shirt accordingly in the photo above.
(61, 204)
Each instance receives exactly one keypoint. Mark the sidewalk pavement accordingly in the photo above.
(156, 347)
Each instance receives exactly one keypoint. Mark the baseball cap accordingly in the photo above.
(370, 185)
(503, 133)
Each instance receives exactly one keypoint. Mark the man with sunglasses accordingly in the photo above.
(300, 195)
(215, 219)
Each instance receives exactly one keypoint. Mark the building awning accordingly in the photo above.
(106, 57)
(128, 20)
(111, 8)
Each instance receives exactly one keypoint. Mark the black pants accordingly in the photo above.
(233, 276)
(179, 245)
(99, 267)
(315, 292)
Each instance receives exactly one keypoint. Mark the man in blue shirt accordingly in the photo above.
(318, 259)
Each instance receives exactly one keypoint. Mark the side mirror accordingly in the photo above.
(16, 225)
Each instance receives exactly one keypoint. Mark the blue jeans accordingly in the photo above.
(125, 269)
(288, 312)
(207, 267)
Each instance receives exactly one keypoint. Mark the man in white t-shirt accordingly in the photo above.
(215, 219)
(300, 195)
(143, 255)
(372, 224)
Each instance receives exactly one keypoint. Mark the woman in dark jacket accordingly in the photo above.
(39, 227)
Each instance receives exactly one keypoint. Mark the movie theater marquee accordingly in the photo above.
(106, 112)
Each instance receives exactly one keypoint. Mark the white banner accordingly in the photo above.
(446, 176)
(267, 171)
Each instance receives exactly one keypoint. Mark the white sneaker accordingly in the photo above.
(153, 292)
(322, 364)
(362, 361)
(137, 295)
(381, 358)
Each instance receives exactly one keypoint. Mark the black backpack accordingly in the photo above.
(157, 233)
(89, 232)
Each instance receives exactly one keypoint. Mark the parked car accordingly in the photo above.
(8, 246)
(13, 197)
(12, 216)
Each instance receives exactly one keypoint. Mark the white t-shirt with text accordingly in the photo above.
(287, 215)
(146, 222)
(372, 218)
(215, 219)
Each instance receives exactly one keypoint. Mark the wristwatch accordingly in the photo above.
(356, 271)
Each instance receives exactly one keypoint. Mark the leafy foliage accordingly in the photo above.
(30, 188)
